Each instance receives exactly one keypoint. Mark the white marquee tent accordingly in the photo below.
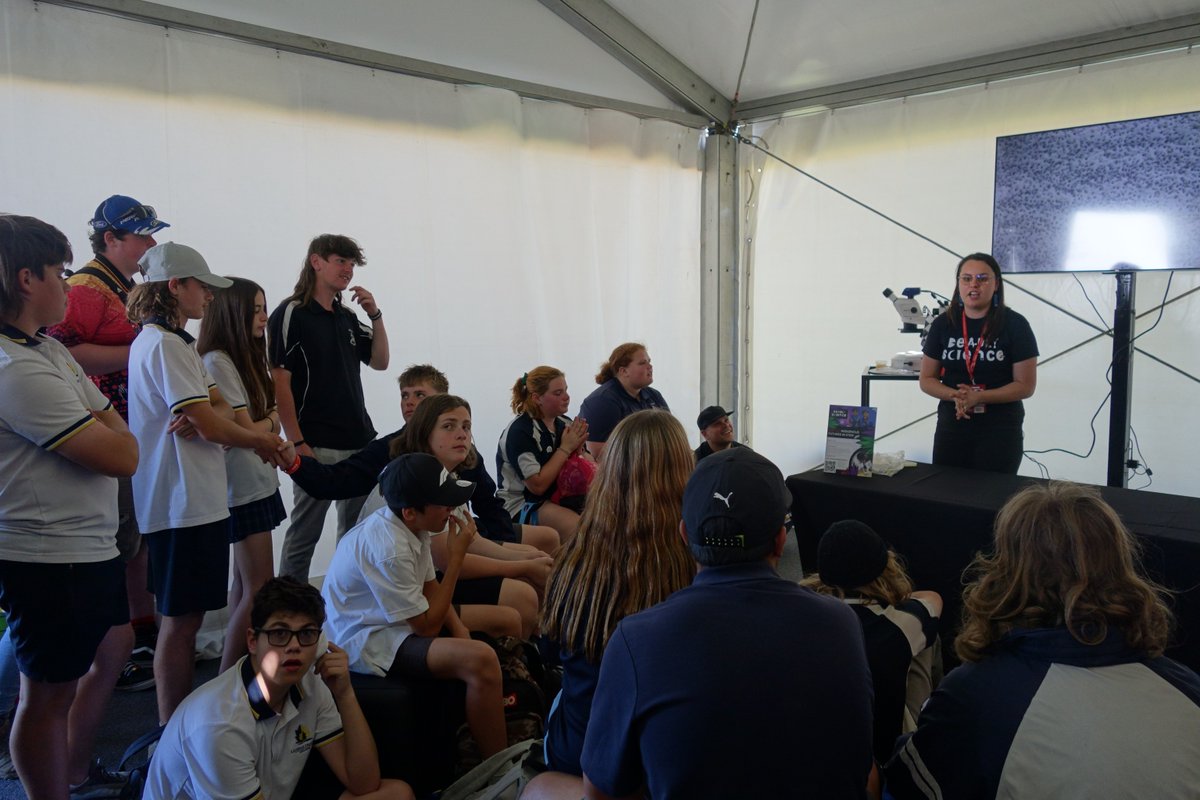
(535, 182)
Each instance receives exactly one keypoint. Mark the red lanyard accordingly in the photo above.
(973, 358)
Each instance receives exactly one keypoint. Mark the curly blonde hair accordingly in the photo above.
(1062, 558)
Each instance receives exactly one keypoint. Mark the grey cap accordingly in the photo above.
(173, 260)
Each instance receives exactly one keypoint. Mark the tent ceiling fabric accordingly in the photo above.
(802, 46)
(679, 59)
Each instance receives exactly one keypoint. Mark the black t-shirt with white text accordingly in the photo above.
(994, 367)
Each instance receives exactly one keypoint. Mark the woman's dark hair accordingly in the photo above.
(415, 438)
(228, 326)
(994, 321)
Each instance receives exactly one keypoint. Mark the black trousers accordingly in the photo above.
(992, 448)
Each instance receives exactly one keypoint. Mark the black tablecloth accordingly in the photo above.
(939, 517)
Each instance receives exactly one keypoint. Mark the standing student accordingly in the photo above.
(98, 335)
(980, 362)
(390, 612)
(180, 489)
(62, 582)
(233, 345)
(316, 348)
(624, 388)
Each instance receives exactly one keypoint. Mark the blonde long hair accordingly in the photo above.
(1062, 558)
(892, 586)
(628, 554)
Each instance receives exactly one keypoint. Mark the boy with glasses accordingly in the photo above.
(249, 731)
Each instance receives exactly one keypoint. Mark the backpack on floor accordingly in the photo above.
(525, 706)
(136, 761)
(502, 776)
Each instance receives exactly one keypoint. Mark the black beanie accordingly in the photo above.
(850, 555)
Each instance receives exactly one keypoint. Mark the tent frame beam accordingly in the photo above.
(1135, 40)
(624, 41)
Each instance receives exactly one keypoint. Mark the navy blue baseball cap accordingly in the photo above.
(733, 507)
(710, 415)
(419, 479)
(122, 213)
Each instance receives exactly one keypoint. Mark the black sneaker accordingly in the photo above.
(100, 782)
(143, 648)
(135, 677)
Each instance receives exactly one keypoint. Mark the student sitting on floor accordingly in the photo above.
(899, 625)
(388, 609)
(249, 731)
(1064, 691)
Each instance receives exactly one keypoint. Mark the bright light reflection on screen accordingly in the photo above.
(1101, 239)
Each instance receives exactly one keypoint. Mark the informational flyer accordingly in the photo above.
(850, 440)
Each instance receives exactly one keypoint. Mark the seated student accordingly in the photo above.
(1064, 690)
(358, 475)
(495, 580)
(742, 685)
(716, 430)
(627, 556)
(441, 427)
(899, 625)
(249, 731)
(62, 582)
(624, 388)
(392, 615)
(534, 448)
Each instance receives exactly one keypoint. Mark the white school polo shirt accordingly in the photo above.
(179, 483)
(373, 587)
(225, 741)
(248, 477)
(52, 511)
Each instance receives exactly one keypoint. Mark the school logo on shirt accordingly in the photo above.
(303, 738)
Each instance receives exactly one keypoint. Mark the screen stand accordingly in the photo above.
(1122, 379)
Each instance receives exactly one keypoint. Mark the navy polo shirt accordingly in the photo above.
(741, 685)
(324, 351)
(610, 403)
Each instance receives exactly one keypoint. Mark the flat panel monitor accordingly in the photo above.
(1120, 195)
